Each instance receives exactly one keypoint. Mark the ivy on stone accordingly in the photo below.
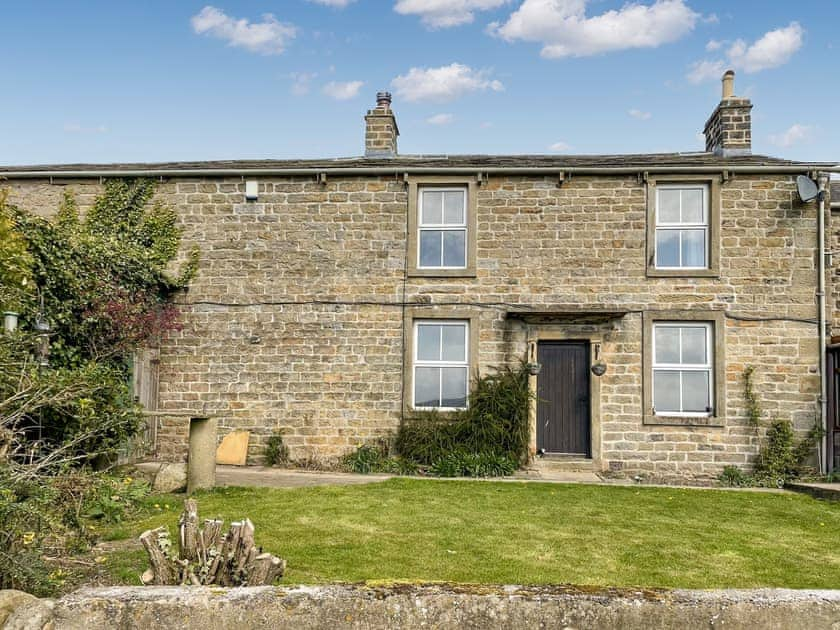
(106, 282)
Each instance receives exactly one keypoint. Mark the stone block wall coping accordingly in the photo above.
(441, 606)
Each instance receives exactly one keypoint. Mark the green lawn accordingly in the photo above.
(527, 533)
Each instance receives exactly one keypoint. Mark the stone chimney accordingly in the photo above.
(729, 129)
(381, 128)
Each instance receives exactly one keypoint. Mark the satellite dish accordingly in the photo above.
(807, 188)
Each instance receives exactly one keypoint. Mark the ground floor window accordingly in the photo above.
(441, 364)
(683, 379)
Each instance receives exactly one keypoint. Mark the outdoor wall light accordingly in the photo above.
(533, 366)
(10, 321)
(251, 190)
(42, 330)
(599, 368)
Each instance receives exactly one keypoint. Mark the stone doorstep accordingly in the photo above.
(549, 463)
(443, 606)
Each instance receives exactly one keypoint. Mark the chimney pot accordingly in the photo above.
(383, 100)
(728, 85)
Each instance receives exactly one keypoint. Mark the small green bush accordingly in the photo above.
(276, 451)
(400, 466)
(26, 520)
(45, 516)
(366, 459)
(376, 458)
(734, 477)
(427, 437)
(782, 457)
(466, 464)
(114, 497)
(448, 465)
(495, 424)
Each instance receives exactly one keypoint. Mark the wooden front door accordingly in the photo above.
(563, 412)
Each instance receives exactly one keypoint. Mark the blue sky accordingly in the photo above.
(105, 81)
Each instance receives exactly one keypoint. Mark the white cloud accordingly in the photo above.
(338, 4)
(564, 29)
(301, 82)
(773, 49)
(77, 128)
(268, 37)
(705, 70)
(560, 147)
(440, 119)
(795, 134)
(445, 13)
(342, 91)
(639, 114)
(443, 84)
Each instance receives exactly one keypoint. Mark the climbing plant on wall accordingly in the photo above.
(104, 282)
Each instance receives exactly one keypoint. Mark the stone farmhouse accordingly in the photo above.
(336, 296)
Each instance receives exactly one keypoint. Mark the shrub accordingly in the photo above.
(375, 458)
(26, 520)
(448, 465)
(734, 477)
(114, 497)
(782, 458)
(43, 516)
(400, 466)
(495, 424)
(466, 464)
(366, 459)
(427, 437)
(276, 451)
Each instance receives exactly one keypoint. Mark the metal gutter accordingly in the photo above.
(398, 170)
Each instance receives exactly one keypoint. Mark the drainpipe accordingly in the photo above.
(822, 180)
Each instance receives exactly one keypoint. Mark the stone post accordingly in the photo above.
(201, 465)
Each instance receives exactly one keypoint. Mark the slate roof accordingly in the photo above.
(651, 160)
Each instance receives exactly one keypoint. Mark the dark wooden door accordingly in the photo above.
(563, 397)
(832, 369)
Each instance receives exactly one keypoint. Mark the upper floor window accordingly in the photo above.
(682, 368)
(441, 364)
(442, 228)
(682, 226)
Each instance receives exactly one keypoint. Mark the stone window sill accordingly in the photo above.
(441, 273)
(682, 273)
(683, 421)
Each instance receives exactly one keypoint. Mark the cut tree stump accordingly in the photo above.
(205, 556)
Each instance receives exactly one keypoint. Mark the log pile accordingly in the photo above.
(205, 556)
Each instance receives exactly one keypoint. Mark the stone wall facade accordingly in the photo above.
(298, 316)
